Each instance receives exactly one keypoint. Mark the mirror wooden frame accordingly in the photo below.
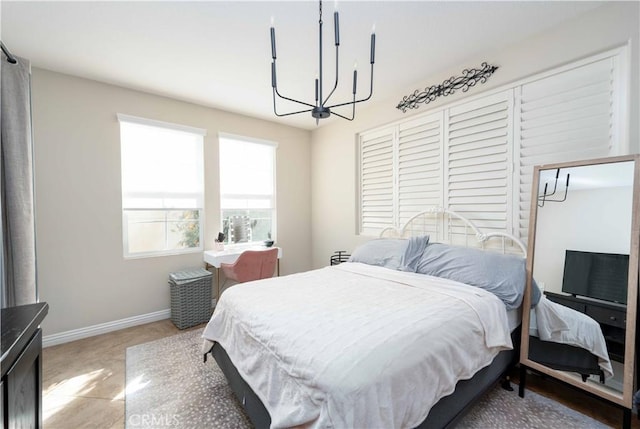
(625, 398)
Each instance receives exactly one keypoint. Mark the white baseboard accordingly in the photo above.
(103, 328)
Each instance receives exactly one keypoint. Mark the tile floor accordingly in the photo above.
(83, 381)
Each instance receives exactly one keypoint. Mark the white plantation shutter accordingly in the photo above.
(419, 167)
(478, 159)
(564, 117)
(377, 181)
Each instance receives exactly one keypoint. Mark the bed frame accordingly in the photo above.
(441, 225)
(565, 357)
(446, 226)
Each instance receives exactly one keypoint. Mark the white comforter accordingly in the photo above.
(355, 345)
(551, 321)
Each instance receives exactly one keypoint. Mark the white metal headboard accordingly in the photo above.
(444, 225)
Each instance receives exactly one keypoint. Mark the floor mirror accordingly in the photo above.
(579, 317)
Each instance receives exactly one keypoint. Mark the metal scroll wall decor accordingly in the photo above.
(469, 78)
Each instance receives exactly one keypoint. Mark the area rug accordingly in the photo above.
(169, 386)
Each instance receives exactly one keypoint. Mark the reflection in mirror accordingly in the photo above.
(581, 263)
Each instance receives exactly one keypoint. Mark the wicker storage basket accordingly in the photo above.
(190, 297)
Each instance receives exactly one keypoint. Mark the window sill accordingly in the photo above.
(164, 253)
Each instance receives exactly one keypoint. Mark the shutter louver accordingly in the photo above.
(376, 181)
(564, 117)
(419, 167)
(478, 159)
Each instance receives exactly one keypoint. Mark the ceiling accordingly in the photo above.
(218, 54)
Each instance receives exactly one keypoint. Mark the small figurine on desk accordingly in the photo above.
(269, 242)
(219, 242)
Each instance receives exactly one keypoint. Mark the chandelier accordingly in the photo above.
(321, 109)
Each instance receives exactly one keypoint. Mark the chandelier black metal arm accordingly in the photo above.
(354, 102)
(320, 110)
(290, 113)
(353, 112)
(335, 85)
(10, 58)
(354, 98)
(544, 198)
(274, 85)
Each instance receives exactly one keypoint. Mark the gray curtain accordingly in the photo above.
(16, 185)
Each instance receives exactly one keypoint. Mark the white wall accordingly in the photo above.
(81, 271)
(594, 220)
(334, 191)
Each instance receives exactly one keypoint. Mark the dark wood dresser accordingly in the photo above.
(21, 383)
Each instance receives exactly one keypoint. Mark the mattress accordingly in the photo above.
(514, 318)
(308, 346)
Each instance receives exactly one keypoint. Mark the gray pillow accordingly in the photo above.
(502, 275)
(413, 253)
(536, 294)
(382, 252)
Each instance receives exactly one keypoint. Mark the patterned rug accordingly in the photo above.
(168, 386)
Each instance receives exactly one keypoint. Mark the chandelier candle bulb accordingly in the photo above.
(273, 74)
(273, 43)
(336, 24)
(355, 80)
(373, 48)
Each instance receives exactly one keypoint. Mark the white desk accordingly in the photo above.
(213, 258)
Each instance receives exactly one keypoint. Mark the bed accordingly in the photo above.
(567, 340)
(565, 357)
(419, 349)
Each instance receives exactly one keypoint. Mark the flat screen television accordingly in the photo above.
(596, 275)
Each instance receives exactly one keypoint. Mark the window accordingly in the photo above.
(247, 189)
(162, 187)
